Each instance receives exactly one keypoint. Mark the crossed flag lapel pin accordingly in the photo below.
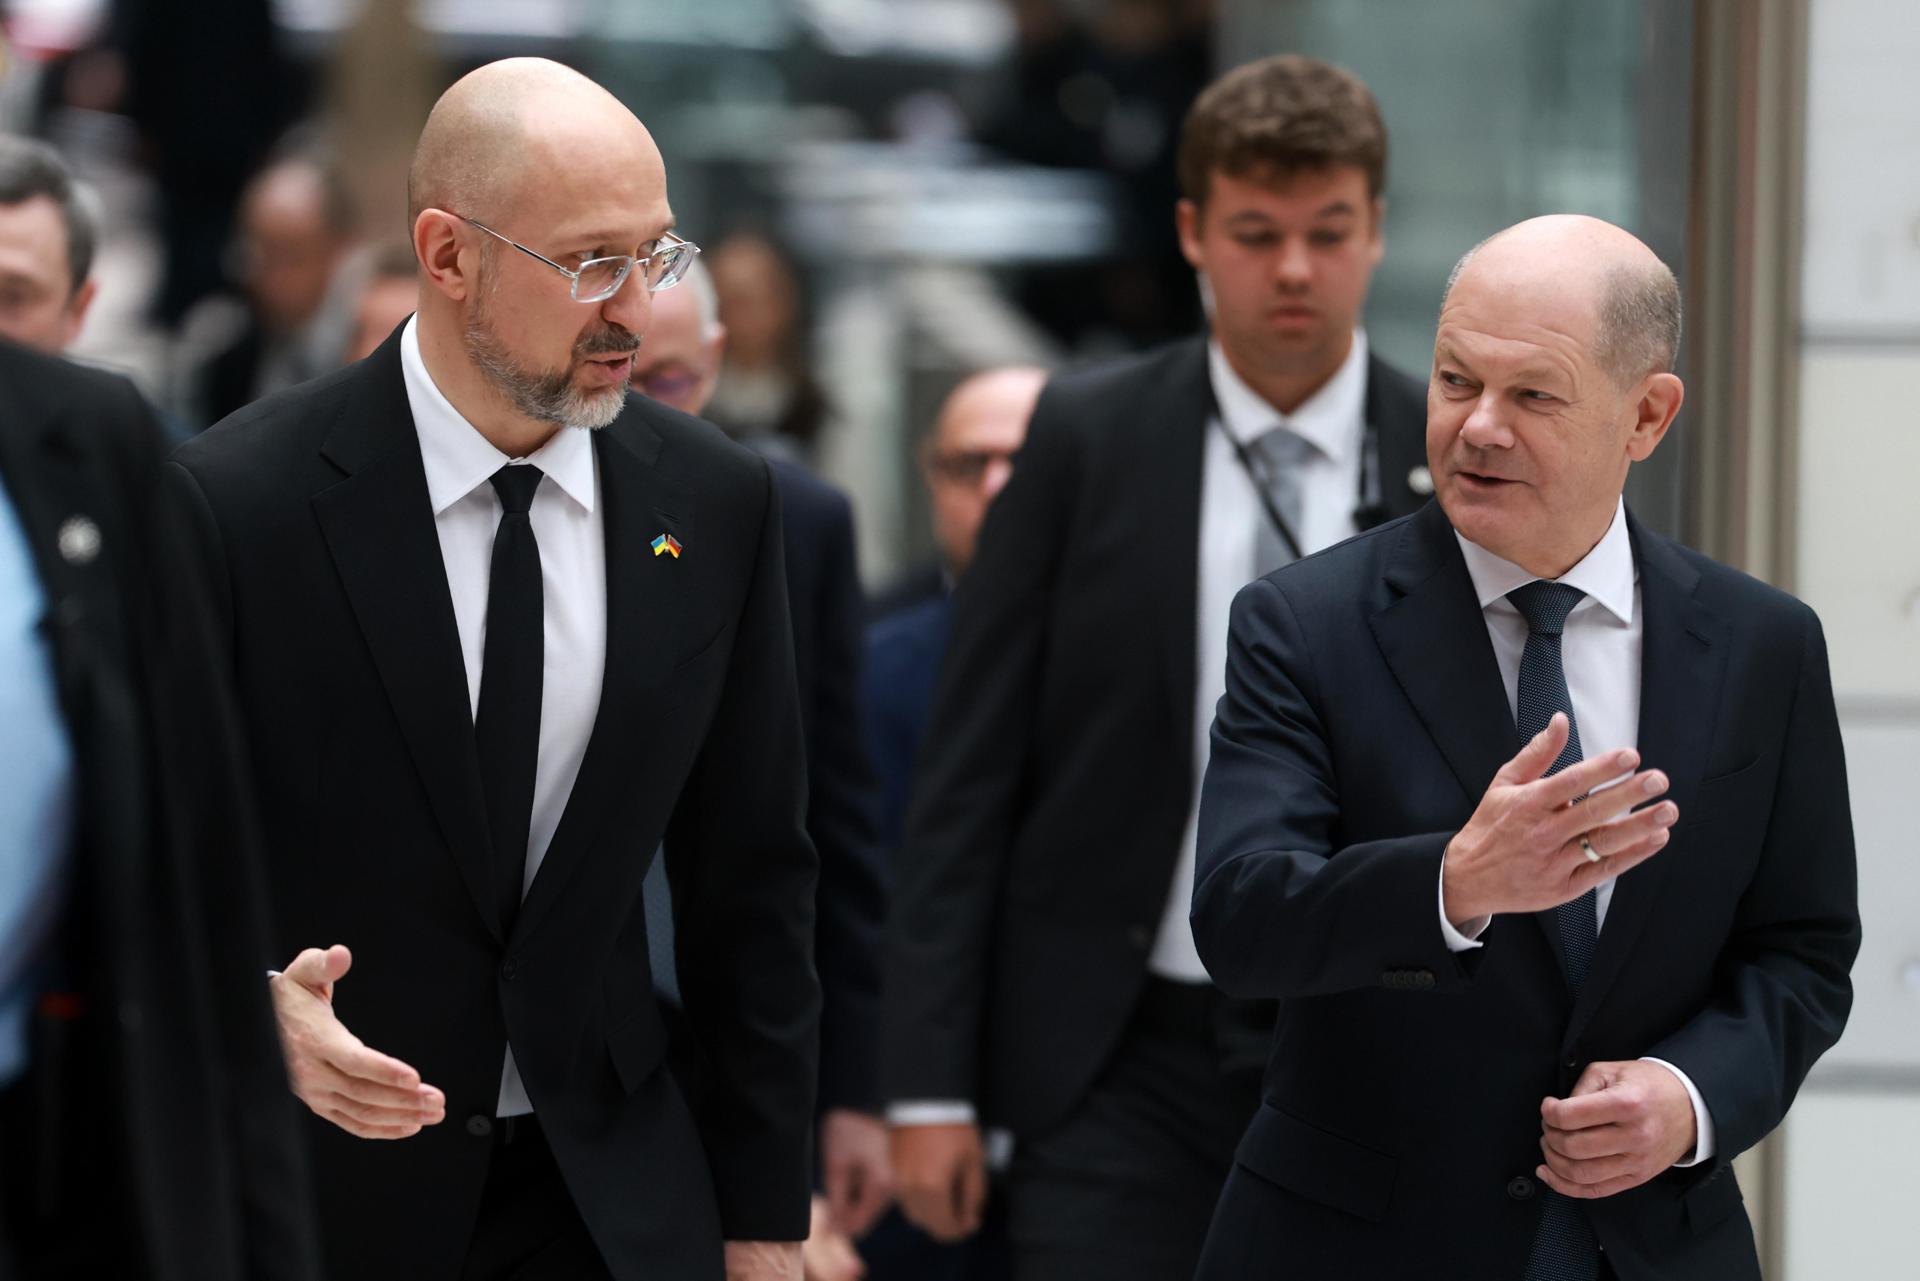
(666, 545)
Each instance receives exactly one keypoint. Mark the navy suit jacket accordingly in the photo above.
(1363, 719)
(823, 595)
(904, 650)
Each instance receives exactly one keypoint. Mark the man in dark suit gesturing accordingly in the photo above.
(500, 628)
(1534, 998)
(1042, 974)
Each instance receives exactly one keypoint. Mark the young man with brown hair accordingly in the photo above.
(1042, 973)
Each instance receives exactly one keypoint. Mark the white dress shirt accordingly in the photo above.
(567, 525)
(1600, 653)
(1333, 420)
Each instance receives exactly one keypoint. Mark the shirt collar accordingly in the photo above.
(458, 459)
(1331, 419)
(1607, 573)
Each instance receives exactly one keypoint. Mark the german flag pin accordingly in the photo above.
(667, 545)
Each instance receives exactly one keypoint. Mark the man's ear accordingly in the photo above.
(1659, 401)
(1186, 224)
(449, 262)
(77, 310)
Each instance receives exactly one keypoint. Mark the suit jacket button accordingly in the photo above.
(509, 968)
(479, 1126)
(1424, 980)
(1521, 1188)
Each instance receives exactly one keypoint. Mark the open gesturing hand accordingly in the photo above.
(1521, 851)
(363, 1091)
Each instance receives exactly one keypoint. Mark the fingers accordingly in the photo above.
(320, 968)
(1592, 1144)
(1587, 1191)
(971, 1203)
(1588, 1111)
(1539, 754)
(355, 1060)
(842, 1178)
(363, 1130)
(1621, 835)
(1582, 777)
(1603, 807)
(1591, 1171)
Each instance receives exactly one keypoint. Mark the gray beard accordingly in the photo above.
(548, 397)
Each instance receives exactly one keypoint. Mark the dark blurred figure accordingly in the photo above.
(1041, 971)
(680, 364)
(765, 387)
(47, 238)
(295, 232)
(965, 460)
(388, 297)
(210, 88)
(146, 1130)
(1103, 88)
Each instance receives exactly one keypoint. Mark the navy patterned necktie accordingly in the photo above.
(1564, 1247)
(506, 728)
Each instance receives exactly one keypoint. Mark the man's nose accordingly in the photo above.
(1293, 264)
(632, 307)
(1486, 427)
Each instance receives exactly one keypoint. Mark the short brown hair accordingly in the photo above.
(1282, 115)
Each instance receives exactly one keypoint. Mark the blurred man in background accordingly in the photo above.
(387, 298)
(965, 461)
(47, 238)
(1041, 970)
(679, 364)
(296, 228)
(145, 1125)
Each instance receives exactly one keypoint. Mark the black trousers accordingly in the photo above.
(529, 1228)
(1124, 1189)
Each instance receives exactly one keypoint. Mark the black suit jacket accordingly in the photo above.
(314, 515)
(1058, 769)
(154, 1127)
(1363, 720)
(823, 592)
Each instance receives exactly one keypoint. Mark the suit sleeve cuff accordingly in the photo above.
(931, 1112)
(1702, 1120)
(1458, 940)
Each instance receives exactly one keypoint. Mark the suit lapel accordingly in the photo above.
(378, 525)
(1434, 638)
(636, 505)
(1683, 656)
(43, 459)
(1177, 416)
(1396, 414)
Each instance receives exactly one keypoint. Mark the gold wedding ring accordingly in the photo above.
(1586, 847)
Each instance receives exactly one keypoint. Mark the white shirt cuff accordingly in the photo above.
(931, 1112)
(1702, 1122)
(1458, 940)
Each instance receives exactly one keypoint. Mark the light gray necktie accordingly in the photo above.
(1278, 457)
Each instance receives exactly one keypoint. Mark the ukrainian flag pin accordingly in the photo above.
(667, 545)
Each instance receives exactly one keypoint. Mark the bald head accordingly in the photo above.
(507, 123)
(1630, 296)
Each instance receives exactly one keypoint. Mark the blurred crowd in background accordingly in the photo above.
(889, 196)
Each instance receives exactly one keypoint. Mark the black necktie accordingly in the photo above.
(507, 727)
(1564, 1247)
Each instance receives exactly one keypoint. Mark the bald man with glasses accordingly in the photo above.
(502, 631)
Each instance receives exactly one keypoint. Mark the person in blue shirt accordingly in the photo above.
(146, 1129)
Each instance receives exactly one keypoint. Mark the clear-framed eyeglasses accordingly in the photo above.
(599, 279)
